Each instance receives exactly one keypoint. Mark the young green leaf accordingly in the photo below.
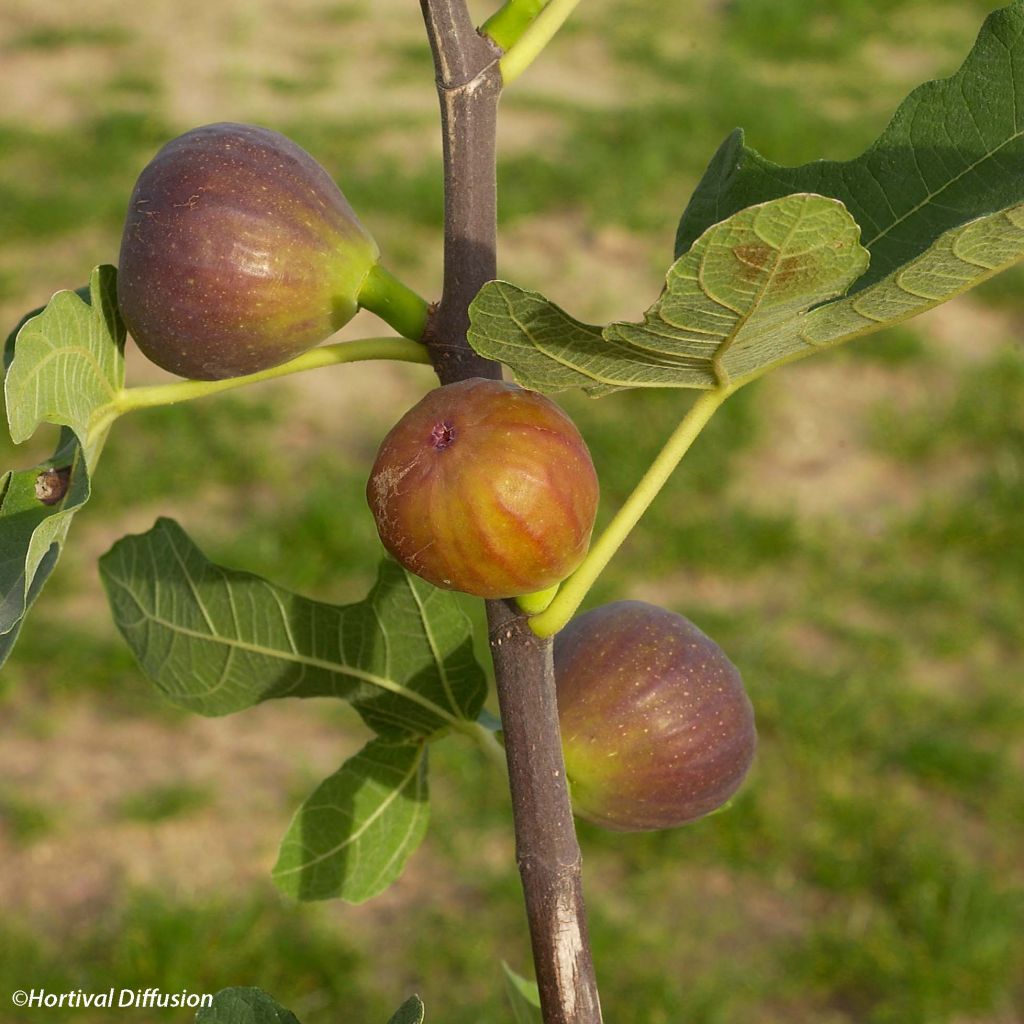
(244, 1006)
(216, 640)
(68, 363)
(953, 152)
(62, 363)
(412, 1011)
(731, 306)
(352, 837)
(12, 337)
(523, 996)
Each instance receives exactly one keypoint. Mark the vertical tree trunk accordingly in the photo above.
(548, 855)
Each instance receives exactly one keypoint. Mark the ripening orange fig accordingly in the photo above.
(486, 488)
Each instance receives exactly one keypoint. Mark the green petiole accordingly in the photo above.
(540, 31)
(395, 303)
(509, 22)
(574, 589)
(534, 604)
(128, 399)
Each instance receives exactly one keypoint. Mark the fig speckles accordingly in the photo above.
(657, 729)
(239, 252)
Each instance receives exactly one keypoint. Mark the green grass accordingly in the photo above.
(150, 941)
(62, 37)
(1004, 291)
(981, 426)
(24, 820)
(870, 870)
(128, 82)
(688, 523)
(98, 164)
(113, 681)
(983, 419)
(163, 801)
(636, 166)
(900, 346)
(229, 443)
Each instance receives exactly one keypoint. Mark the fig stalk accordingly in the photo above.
(541, 30)
(509, 22)
(468, 87)
(535, 603)
(395, 303)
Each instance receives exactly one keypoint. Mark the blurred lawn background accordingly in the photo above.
(850, 530)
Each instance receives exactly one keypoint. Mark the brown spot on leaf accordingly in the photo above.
(791, 270)
(754, 259)
(757, 260)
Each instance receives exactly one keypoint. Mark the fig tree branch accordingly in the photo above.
(468, 86)
(548, 855)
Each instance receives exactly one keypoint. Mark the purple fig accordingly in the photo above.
(657, 729)
(486, 488)
(238, 253)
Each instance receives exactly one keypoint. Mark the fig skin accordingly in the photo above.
(657, 729)
(239, 252)
(485, 488)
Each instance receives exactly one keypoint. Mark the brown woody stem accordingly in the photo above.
(468, 86)
(548, 855)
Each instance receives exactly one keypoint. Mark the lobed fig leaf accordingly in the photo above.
(937, 200)
(216, 640)
(657, 729)
(486, 488)
(731, 306)
(67, 363)
(239, 252)
(63, 364)
(952, 153)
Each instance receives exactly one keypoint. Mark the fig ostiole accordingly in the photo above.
(657, 729)
(239, 252)
(486, 488)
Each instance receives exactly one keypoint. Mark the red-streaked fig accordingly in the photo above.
(238, 253)
(486, 488)
(657, 729)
